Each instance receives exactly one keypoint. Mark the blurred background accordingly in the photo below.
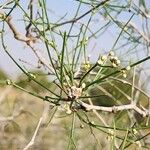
(20, 112)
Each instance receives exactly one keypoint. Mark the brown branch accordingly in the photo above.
(17, 35)
(30, 7)
(29, 40)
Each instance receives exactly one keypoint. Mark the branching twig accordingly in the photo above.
(83, 15)
(131, 106)
(17, 35)
(29, 40)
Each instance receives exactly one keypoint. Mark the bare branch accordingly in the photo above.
(83, 15)
(17, 35)
(29, 40)
(88, 107)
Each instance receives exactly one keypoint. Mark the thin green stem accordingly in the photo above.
(116, 72)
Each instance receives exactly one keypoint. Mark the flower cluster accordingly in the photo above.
(115, 62)
(102, 60)
(74, 92)
(112, 59)
(124, 71)
(86, 66)
(67, 109)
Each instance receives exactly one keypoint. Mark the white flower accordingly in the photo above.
(139, 144)
(114, 65)
(128, 68)
(118, 62)
(68, 111)
(124, 75)
(83, 85)
(100, 62)
(104, 57)
(111, 53)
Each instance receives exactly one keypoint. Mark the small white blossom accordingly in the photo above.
(104, 57)
(100, 62)
(114, 65)
(128, 68)
(135, 131)
(111, 53)
(92, 122)
(139, 144)
(118, 61)
(124, 75)
(68, 112)
(8, 82)
(83, 85)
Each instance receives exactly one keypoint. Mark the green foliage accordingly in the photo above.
(3, 75)
(100, 98)
(27, 83)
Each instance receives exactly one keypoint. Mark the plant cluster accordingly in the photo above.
(104, 93)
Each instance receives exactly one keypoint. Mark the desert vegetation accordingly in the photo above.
(82, 79)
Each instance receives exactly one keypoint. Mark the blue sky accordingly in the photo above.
(18, 49)
(56, 10)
